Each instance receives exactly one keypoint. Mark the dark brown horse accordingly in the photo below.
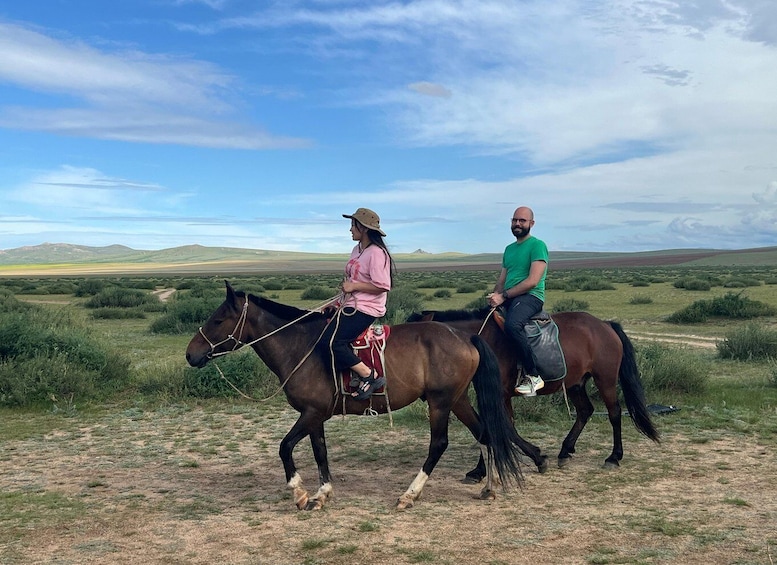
(427, 360)
(593, 349)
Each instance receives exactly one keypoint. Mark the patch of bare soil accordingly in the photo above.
(164, 293)
(197, 487)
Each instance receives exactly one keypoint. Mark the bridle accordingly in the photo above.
(239, 327)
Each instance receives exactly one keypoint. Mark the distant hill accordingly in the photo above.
(64, 258)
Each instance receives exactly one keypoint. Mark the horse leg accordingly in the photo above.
(438, 423)
(610, 399)
(584, 409)
(318, 443)
(306, 424)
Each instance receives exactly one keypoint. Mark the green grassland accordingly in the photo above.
(159, 430)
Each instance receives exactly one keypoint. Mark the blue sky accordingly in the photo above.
(627, 125)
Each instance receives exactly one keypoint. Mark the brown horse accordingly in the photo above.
(593, 349)
(427, 360)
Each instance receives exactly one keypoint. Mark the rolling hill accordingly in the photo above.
(68, 259)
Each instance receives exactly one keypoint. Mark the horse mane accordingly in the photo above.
(282, 311)
(452, 315)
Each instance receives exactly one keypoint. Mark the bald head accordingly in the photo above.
(522, 222)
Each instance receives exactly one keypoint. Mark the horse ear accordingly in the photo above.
(230, 292)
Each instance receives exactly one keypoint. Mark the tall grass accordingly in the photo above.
(749, 342)
(672, 369)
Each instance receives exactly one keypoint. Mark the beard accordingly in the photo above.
(518, 231)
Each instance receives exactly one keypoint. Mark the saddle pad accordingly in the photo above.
(369, 347)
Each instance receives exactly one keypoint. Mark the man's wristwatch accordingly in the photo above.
(504, 295)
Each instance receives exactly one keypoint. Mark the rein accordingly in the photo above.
(240, 325)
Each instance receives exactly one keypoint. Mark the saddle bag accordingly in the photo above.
(542, 334)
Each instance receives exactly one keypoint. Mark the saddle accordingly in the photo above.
(369, 347)
(542, 335)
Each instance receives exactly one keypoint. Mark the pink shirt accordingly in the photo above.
(371, 266)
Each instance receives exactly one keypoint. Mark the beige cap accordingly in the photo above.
(367, 218)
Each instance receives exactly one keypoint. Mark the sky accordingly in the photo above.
(626, 125)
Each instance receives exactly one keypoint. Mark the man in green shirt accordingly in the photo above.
(521, 289)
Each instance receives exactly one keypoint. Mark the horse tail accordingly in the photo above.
(631, 385)
(498, 432)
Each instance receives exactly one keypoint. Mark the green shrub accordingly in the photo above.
(587, 282)
(569, 305)
(468, 288)
(402, 301)
(676, 370)
(433, 283)
(118, 314)
(244, 370)
(556, 284)
(317, 293)
(44, 355)
(748, 342)
(730, 305)
(641, 299)
(478, 303)
(117, 297)
(272, 285)
(9, 303)
(184, 315)
(741, 282)
(442, 293)
(640, 282)
(89, 287)
(697, 284)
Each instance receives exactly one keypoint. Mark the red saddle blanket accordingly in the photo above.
(369, 348)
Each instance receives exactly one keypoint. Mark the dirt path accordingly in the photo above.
(187, 485)
(164, 293)
(682, 339)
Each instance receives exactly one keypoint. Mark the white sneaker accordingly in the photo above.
(529, 386)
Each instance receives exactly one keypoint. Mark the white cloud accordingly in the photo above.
(125, 95)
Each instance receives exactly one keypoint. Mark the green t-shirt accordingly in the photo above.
(517, 260)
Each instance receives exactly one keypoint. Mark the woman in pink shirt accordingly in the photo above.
(368, 278)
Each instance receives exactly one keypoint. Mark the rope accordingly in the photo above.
(239, 343)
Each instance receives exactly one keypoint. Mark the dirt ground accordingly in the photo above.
(205, 485)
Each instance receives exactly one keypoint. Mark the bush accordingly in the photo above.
(556, 285)
(117, 297)
(317, 293)
(640, 299)
(402, 301)
(434, 283)
(468, 288)
(696, 284)
(640, 282)
(442, 293)
(751, 341)
(89, 287)
(569, 305)
(676, 370)
(244, 370)
(731, 305)
(118, 314)
(185, 315)
(45, 356)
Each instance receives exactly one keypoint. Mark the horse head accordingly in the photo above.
(222, 332)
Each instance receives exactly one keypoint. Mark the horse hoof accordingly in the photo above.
(471, 480)
(404, 504)
(610, 465)
(563, 462)
(543, 467)
(487, 494)
(300, 498)
(314, 504)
